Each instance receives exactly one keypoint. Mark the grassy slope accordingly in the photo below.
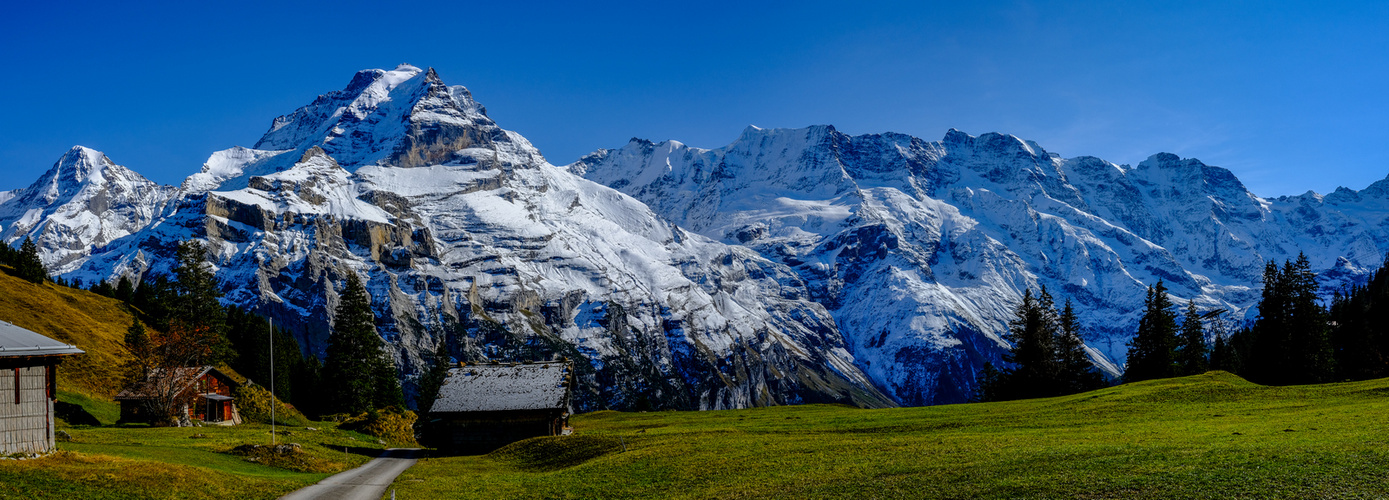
(94, 323)
(125, 462)
(109, 462)
(1212, 435)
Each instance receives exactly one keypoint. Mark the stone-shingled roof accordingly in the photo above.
(501, 387)
(16, 341)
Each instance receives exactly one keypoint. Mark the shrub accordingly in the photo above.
(391, 424)
(254, 404)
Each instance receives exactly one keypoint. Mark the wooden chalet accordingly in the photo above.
(203, 393)
(485, 406)
(28, 387)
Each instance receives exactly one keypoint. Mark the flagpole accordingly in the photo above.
(272, 381)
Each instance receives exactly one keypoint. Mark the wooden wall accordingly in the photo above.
(26, 427)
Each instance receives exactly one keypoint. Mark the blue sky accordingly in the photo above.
(1290, 96)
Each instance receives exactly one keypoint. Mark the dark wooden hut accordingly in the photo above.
(28, 387)
(485, 406)
(202, 392)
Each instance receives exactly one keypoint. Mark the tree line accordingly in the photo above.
(180, 321)
(1294, 339)
(1047, 357)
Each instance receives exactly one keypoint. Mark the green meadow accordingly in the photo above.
(1206, 436)
(180, 462)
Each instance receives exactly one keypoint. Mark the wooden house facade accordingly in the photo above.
(28, 387)
(484, 407)
(201, 392)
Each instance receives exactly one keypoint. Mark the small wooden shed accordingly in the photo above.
(483, 407)
(205, 393)
(28, 387)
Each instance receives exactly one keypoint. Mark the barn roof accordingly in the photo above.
(16, 341)
(535, 386)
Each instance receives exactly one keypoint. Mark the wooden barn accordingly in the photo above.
(202, 392)
(485, 406)
(28, 387)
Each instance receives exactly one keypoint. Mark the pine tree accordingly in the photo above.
(1150, 353)
(197, 307)
(1222, 355)
(125, 290)
(1191, 347)
(137, 341)
(28, 266)
(1077, 374)
(1290, 342)
(433, 379)
(1311, 352)
(363, 378)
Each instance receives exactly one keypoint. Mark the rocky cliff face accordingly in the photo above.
(466, 236)
(921, 248)
(793, 265)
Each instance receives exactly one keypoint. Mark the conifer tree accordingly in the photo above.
(1077, 374)
(137, 341)
(1290, 341)
(28, 266)
(197, 307)
(363, 378)
(1150, 353)
(125, 290)
(1191, 348)
(1222, 355)
(433, 379)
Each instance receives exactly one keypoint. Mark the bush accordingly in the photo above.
(254, 404)
(392, 424)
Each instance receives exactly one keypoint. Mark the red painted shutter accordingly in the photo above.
(16, 386)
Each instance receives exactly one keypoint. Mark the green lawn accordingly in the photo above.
(1208, 436)
(144, 462)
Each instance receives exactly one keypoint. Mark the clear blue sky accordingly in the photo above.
(1290, 96)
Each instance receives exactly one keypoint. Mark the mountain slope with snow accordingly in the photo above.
(465, 236)
(921, 248)
(791, 266)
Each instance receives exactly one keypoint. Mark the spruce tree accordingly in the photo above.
(1191, 348)
(1311, 352)
(1077, 374)
(125, 290)
(433, 379)
(1150, 353)
(361, 375)
(137, 341)
(1290, 342)
(28, 266)
(197, 307)
(1222, 355)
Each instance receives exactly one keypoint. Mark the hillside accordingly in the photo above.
(1206, 436)
(93, 323)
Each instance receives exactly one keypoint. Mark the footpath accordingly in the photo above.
(368, 482)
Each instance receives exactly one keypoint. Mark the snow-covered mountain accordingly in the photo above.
(465, 235)
(79, 206)
(920, 249)
(793, 265)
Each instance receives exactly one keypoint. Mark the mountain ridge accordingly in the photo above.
(790, 266)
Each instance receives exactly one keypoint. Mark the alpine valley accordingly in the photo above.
(791, 266)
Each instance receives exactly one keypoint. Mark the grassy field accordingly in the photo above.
(104, 461)
(144, 462)
(1207, 436)
(94, 323)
